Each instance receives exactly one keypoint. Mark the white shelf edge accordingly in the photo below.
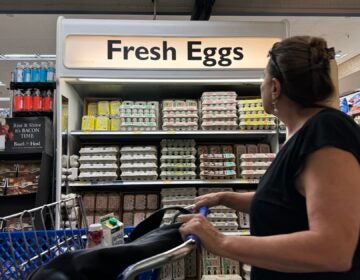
(162, 183)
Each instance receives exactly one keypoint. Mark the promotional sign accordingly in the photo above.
(31, 134)
(115, 52)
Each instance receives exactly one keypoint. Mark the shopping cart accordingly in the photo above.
(28, 240)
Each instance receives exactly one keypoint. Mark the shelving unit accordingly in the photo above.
(40, 85)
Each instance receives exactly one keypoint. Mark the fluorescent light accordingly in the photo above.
(20, 56)
(163, 81)
(2, 84)
(48, 56)
(340, 54)
(4, 98)
(27, 57)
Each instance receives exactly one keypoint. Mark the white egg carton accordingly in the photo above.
(152, 166)
(178, 159)
(181, 128)
(177, 200)
(178, 167)
(98, 176)
(178, 151)
(226, 226)
(178, 175)
(180, 114)
(178, 191)
(184, 143)
(98, 159)
(222, 217)
(228, 157)
(252, 174)
(138, 149)
(128, 158)
(105, 150)
(87, 167)
(217, 165)
(139, 175)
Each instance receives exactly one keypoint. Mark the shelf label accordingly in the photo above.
(137, 132)
(151, 52)
(167, 182)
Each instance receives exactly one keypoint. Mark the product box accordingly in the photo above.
(28, 135)
(113, 230)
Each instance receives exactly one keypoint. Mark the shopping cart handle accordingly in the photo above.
(204, 211)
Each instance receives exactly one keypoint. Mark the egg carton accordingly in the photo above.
(137, 120)
(222, 277)
(256, 116)
(217, 108)
(216, 101)
(245, 102)
(98, 176)
(253, 174)
(225, 157)
(178, 167)
(98, 159)
(178, 191)
(222, 217)
(253, 165)
(87, 167)
(177, 159)
(217, 165)
(138, 165)
(203, 191)
(134, 158)
(139, 176)
(222, 209)
(221, 94)
(177, 201)
(258, 157)
(172, 143)
(181, 128)
(180, 114)
(219, 127)
(178, 175)
(219, 116)
(178, 151)
(226, 226)
(187, 120)
(138, 149)
(206, 176)
(140, 105)
(96, 150)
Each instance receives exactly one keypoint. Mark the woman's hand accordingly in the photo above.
(196, 224)
(209, 200)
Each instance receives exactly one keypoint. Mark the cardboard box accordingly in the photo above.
(113, 230)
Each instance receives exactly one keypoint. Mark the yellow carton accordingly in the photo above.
(92, 109)
(102, 123)
(115, 124)
(115, 107)
(103, 108)
(88, 123)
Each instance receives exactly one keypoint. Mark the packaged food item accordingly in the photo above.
(180, 115)
(103, 108)
(251, 149)
(113, 230)
(102, 123)
(129, 202)
(115, 107)
(101, 202)
(152, 201)
(115, 124)
(95, 237)
(92, 109)
(88, 123)
(114, 202)
(99, 150)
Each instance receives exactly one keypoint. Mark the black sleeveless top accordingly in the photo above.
(278, 208)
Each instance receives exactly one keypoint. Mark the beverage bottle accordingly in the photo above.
(19, 73)
(28, 105)
(51, 72)
(18, 102)
(37, 101)
(26, 73)
(48, 101)
(35, 73)
(95, 236)
(43, 72)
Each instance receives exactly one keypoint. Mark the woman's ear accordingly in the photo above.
(275, 90)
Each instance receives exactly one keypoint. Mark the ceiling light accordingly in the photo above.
(47, 56)
(340, 54)
(27, 57)
(2, 84)
(195, 81)
(4, 98)
(20, 56)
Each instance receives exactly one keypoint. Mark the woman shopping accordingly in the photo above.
(305, 214)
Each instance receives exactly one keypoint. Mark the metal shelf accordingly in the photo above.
(158, 135)
(159, 184)
(39, 85)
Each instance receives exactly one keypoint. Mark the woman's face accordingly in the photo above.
(265, 89)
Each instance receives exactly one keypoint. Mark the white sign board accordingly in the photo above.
(115, 52)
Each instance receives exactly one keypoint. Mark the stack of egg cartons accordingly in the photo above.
(178, 159)
(253, 117)
(218, 111)
(254, 166)
(180, 115)
(139, 163)
(246, 271)
(99, 163)
(139, 116)
(222, 217)
(217, 162)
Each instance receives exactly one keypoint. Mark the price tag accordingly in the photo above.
(137, 132)
(166, 182)
(171, 132)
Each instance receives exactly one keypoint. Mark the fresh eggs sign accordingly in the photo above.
(113, 52)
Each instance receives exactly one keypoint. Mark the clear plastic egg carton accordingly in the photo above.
(178, 192)
(258, 157)
(140, 105)
(178, 159)
(139, 126)
(253, 165)
(180, 126)
(171, 143)
(218, 165)
(93, 167)
(219, 116)
(178, 175)
(178, 167)
(99, 150)
(221, 209)
(253, 174)
(140, 166)
(180, 114)
(225, 157)
(222, 217)
(135, 120)
(98, 159)
(138, 150)
(139, 175)
(226, 226)
(98, 176)
(141, 157)
(219, 94)
(178, 151)
(217, 174)
(219, 125)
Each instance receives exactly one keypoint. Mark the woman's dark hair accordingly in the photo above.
(302, 65)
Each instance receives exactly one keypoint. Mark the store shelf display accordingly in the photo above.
(139, 163)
